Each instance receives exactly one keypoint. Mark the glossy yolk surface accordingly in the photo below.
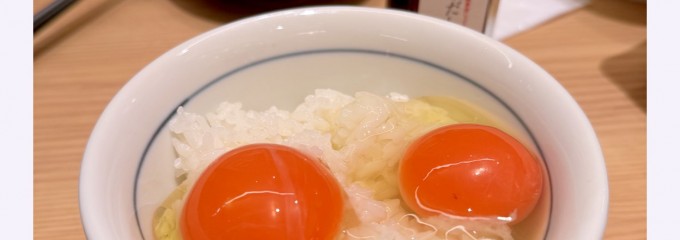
(263, 191)
(470, 170)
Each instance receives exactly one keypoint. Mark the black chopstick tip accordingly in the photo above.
(48, 13)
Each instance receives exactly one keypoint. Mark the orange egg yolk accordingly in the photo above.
(263, 191)
(470, 170)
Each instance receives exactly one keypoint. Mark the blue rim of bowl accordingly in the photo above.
(327, 51)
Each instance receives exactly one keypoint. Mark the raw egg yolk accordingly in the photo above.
(263, 191)
(470, 170)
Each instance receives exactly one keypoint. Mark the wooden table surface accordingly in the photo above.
(86, 55)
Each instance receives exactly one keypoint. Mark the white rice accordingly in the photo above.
(360, 138)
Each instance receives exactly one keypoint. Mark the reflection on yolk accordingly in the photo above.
(470, 170)
(263, 191)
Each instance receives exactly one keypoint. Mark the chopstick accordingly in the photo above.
(48, 13)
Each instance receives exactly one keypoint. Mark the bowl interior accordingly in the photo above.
(277, 59)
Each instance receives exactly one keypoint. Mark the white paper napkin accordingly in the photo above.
(515, 16)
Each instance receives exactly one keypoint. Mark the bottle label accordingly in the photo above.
(474, 14)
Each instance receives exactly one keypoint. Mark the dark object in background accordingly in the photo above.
(48, 13)
(404, 4)
(274, 4)
(229, 10)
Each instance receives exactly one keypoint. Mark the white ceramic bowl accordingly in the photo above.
(278, 58)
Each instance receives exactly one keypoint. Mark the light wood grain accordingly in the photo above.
(85, 56)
